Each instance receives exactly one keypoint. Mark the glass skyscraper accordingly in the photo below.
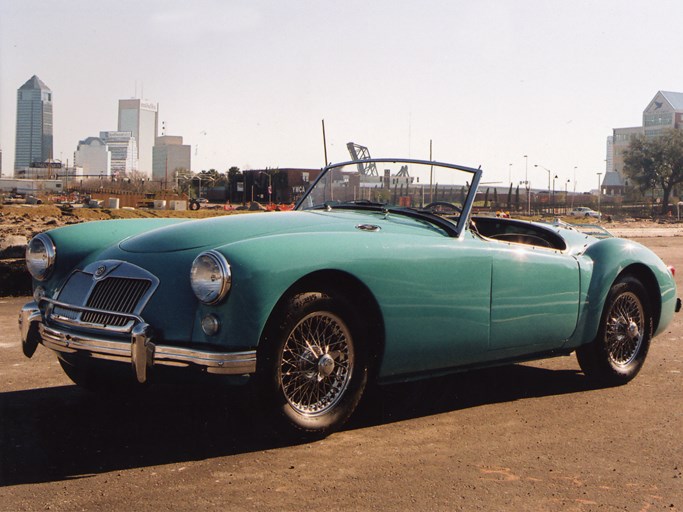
(34, 123)
(141, 119)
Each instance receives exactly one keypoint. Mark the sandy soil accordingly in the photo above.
(29, 220)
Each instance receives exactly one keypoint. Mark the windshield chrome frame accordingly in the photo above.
(466, 207)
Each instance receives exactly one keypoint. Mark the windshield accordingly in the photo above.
(415, 184)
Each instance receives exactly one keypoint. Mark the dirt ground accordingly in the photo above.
(523, 437)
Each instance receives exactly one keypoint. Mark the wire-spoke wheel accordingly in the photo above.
(312, 364)
(317, 363)
(619, 350)
(624, 329)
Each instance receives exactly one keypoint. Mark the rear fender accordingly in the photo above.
(602, 264)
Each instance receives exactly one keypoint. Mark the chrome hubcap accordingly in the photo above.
(317, 363)
(623, 333)
(325, 366)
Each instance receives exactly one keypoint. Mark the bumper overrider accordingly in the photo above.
(141, 351)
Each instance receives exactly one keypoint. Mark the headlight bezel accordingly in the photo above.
(207, 292)
(41, 272)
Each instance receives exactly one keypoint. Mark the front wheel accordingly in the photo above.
(619, 350)
(312, 364)
(101, 377)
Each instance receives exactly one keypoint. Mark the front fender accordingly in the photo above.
(601, 264)
(263, 269)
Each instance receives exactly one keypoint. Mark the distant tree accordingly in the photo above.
(495, 197)
(486, 198)
(656, 162)
(509, 208)
(517, 198)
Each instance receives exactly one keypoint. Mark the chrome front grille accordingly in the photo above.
(115, 295)
(108, 295)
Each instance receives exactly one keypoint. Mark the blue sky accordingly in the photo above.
(247, 83)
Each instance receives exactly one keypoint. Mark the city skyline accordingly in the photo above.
(248, 83)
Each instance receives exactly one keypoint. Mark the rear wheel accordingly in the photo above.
(619, 350)
(312, 364)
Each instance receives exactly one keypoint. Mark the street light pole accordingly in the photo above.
(526, 183)
(548, 171)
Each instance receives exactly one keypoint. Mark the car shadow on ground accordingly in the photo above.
(60, 433)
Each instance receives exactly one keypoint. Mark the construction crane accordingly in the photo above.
(360, 153)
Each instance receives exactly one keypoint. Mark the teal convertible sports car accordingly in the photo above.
(381, 273)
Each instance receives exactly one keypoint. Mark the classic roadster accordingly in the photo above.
(380, 274)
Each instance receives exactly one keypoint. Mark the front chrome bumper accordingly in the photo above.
(141, 351)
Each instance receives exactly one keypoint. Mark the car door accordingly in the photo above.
(534, 298)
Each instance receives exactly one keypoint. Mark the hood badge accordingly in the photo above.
(100, 271)
(368, 227)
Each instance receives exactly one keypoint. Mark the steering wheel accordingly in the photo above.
(443, 207)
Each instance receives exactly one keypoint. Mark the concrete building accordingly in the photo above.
(123, 149)
(94, 157)
(31, 186)
(665, 111)
(49, 170)
(282, 185)
(141, 119)
(34, 124)
(170, 155)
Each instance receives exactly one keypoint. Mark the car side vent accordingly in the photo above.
(368, 227)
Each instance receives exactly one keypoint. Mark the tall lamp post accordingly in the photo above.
(599, 194)
(527, 185)
(548, 171)
(554, 178)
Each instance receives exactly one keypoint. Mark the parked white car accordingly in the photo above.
(584, 211)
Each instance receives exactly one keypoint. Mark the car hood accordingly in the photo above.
(218, 231)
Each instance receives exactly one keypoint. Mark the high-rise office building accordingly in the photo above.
(94, 157)
(170, 157)
(34, 123)
(141, 119)
(123, 152)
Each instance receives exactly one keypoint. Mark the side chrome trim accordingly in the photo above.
(138, 350)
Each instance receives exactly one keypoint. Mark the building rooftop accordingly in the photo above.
(613, 179)
(33, 84)
(675, 98)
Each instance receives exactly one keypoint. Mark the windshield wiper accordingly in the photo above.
(362, 204)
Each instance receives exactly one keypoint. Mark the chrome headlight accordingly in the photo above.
(40, 256)
(210, 277)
